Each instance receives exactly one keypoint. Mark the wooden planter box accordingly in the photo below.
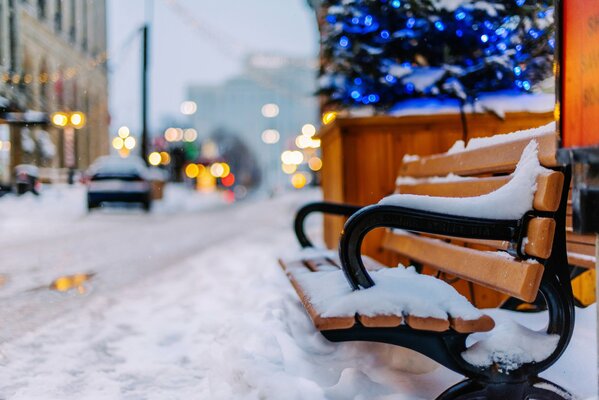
(361, 157)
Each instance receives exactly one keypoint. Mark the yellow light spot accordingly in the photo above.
(154, 158)
(298, 180)
(62, 284)
(289, 168)
(217, 170)
(118, 143)
(192, 171)
(226, 170)
(308, 130)
(60, 119)
(124, 152)
(315, 143)
(130, 142)
(303, 142)
(77, 120)
(124, 132)
(171, 134)
(315, 164)
(165, 158)
(329, 117)
(292, 157)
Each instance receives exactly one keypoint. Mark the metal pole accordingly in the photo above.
(144, 94)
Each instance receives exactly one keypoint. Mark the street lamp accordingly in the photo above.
(69, 121)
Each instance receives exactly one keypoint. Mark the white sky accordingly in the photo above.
(182, 54)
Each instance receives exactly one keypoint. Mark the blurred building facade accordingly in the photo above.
(52, 58)
(235, 106)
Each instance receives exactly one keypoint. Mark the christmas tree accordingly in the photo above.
(379, 52)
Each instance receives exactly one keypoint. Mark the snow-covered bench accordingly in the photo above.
(493, 213)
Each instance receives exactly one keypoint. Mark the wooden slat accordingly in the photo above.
(322, 324)
(483, 324)
(518, 279)
(547, 196)
(581, 260)
(578, 238)
(549, 191)
(427, 323)
(581, 248)
(540, 239)
(381, 321)
(501, 157)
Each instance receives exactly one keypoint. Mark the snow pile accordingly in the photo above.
(478, 143)
(397, 291)
(511, 201)
(510, 345)
(498, 103)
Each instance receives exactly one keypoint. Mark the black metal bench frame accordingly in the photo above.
(446, 347)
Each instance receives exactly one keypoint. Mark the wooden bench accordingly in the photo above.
(523, 257)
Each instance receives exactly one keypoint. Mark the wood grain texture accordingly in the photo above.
(516, 278)
(498, 158)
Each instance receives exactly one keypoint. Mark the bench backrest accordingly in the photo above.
(485, 169)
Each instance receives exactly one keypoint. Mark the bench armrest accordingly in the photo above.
(323, 207)
(387, 216)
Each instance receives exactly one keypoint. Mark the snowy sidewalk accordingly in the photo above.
(226, 324)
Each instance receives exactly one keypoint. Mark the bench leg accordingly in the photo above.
(535, 388)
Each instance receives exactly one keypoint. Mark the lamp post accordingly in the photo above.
(69, 122)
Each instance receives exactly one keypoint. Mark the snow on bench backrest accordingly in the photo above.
(499, 153)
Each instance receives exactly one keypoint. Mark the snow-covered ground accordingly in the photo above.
(219, 322)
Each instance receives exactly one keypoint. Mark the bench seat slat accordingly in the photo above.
(501, 157)
(516, 278)
(482, 324)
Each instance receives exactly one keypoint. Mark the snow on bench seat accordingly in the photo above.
(400, 295)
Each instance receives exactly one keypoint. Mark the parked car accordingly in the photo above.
(117, 180)
(27, 179)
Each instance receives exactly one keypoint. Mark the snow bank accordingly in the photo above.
(498, 103)
(397, 291)
(478, 143)
(511, 201)
(510, 345)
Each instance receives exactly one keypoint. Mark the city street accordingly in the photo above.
(54, 236)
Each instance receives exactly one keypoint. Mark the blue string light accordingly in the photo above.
(517, 70)
(491, 50)
(460, 15)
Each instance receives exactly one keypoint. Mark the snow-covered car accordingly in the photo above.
(117, 180)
